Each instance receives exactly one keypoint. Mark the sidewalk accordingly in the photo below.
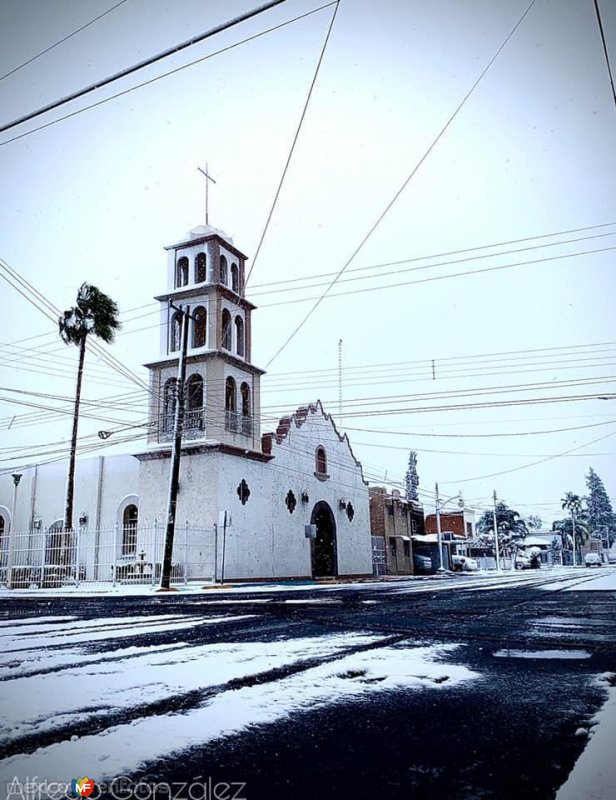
(594, 775)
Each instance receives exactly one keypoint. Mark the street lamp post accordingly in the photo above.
(438, 504)
(16, 479)
(496, 547)
(573, 534)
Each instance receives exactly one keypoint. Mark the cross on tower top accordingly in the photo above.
(208, 178)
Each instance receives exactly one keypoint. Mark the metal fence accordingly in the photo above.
(121, 555)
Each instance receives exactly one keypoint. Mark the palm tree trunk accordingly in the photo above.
(70, 484)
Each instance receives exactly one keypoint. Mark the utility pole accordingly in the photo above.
(340, 377)
(11, 556)
(496, 548)
(165, 578)
(437, 506)
(573, 532)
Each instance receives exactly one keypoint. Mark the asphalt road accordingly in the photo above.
(508, 733)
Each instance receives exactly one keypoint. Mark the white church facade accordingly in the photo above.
(292, 503)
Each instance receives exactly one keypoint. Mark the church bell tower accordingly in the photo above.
(205, 273)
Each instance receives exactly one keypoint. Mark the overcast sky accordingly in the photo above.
(96, 197)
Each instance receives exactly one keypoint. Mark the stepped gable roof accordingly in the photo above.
(301, 415)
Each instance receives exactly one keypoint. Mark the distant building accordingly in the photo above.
(460, 523)
(393, 521)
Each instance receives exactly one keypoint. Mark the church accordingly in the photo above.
(290, 503)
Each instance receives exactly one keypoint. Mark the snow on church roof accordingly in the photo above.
(298, 419)
(200, 234)
(207, 230)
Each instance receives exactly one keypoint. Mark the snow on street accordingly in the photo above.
(47, 689)
(116, 692)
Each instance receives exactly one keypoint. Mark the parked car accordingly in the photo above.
(593, 560)
(611, 557)
(422, 563)
(464, 563)
(522, 561)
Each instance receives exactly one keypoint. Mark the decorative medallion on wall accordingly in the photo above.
(243, 492)
(290, 501)
(350, 511)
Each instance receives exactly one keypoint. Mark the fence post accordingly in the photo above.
(153, 546)
(77, 543)
(43, 551)
(11, 557)
(114, 553)
(186, 553)
(215, 552)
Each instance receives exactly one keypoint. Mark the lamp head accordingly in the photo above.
(16, 478)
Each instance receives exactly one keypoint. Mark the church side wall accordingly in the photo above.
(295, 460)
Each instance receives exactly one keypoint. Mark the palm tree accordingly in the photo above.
(95, 313)
(573, 504)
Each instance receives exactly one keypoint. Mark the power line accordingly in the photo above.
(142, 64)
(294, 142)
(61, 41)
(401, 189)
(533, 464)
(451, 253)
(393, 263)
(381, 400)
(380, 431)
(396, 285)
(39, 301)
(167, 74)
(478, 454)
(605, 50)
(382, 274)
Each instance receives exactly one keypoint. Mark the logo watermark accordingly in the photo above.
(124, 788)
(82, 787)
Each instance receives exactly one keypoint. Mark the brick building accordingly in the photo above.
(461, 523)
(393, 520)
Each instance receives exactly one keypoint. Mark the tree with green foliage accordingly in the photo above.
(574, 530)
(512, 529)
(600, 515)
(411, 479)
(95, 313)
(506, 518)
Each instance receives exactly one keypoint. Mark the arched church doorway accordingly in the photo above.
(324, 556)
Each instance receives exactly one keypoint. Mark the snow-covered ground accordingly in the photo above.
(604, 580)
(416, 583)
(594, 775)
(58, 691)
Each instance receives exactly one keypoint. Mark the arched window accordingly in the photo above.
(199, 327)
(231, 417)
(230, 403)
(200, 268)
(181, 272)
(239, 335)
(226, 329)
(129, 530)
(245, 392)
(3, 544)
(224, 271)
(246, 415)
(320, 462)
(194, 403)
(175, 332)
(169, 401)
(235, 280)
